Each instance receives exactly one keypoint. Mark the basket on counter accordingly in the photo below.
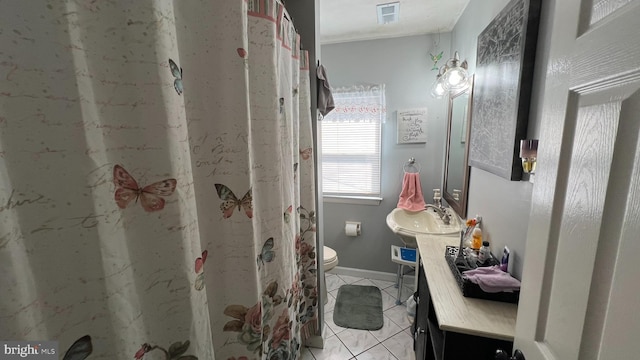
(472, 290)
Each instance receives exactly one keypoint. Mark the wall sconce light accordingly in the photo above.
(452, 78)
(529, 154)
(455, 77)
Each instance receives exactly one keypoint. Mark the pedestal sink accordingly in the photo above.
(407, 224)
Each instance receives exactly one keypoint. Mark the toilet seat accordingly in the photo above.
(330, 261)
(330, 258)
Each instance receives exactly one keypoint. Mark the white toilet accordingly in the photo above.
(330, 261)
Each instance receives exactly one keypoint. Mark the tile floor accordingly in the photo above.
(392, 342)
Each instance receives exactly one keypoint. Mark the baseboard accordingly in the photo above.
(409, 277)
(369, 274)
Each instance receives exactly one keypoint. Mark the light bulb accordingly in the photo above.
(529, 165)
(456, 78)
(437, 90)
(529, 153)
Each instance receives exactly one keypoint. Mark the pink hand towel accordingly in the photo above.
(491, 279)
(411, 195)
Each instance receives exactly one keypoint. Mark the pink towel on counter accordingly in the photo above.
(491, 279)
(411, 195)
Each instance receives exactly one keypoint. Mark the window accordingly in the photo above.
(351, 142)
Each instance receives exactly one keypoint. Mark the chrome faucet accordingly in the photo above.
(442, 212)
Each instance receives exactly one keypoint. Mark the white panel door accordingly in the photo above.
(580, 294)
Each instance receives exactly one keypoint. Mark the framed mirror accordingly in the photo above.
(456, 161)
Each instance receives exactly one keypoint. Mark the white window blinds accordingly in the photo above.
(351, 142)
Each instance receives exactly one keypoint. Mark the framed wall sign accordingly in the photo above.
(504, 73)
(412, 126)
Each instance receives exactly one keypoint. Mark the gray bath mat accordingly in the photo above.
(358, 307)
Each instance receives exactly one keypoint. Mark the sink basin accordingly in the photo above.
(408, 224)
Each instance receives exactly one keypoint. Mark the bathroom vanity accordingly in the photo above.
(448, 326)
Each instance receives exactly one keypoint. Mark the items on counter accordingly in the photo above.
(471, 260)
(472, 223)
(478, 273)
(492, 280)
(500, 289)
(504, 262)
(476, 234)
(466, 244)
(485, 252)
(476, 250)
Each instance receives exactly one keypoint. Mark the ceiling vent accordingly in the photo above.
(388, 13)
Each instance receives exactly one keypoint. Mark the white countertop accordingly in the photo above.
(486, 318)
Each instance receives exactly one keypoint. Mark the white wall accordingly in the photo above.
(404, 65)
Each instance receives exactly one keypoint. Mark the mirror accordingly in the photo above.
(456, 168)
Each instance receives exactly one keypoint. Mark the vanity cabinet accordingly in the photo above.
(421, 320)
(448, 326)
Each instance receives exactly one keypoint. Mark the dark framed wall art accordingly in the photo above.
(504, 73)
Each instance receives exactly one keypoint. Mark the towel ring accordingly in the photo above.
(411, 163)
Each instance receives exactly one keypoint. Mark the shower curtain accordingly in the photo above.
(156, 179)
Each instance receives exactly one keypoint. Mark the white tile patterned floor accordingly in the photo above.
(392, 342)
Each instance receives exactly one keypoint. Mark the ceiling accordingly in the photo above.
(352, 20)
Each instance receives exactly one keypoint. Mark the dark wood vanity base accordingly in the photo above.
(448, 326)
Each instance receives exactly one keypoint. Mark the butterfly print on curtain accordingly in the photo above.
(80, 349)
(199, 265)
(177, 73)
(306, 153)
(127, 189)
(231, 201)
(267, 254)
(287, 214)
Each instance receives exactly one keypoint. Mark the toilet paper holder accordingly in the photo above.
(352, 228)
